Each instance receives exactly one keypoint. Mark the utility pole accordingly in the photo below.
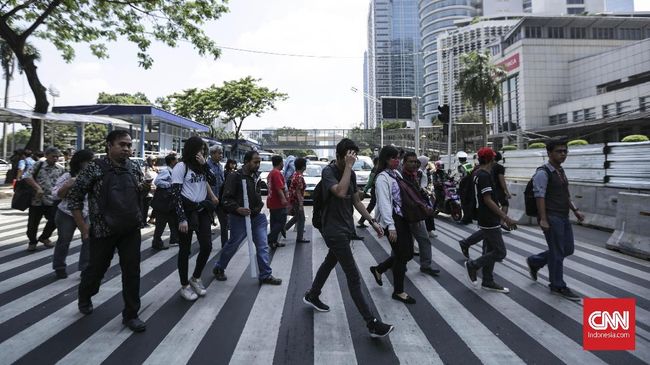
(451, 106)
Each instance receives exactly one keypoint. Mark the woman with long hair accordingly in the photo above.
(65, 223)
(231, 165)
(191, 180)
(389, 214)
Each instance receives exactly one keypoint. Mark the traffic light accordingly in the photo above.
(444, 113)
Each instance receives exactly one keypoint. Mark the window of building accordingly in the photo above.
(562, 118)
(575, 11)
(608, 110)
(555, 32)
(552, 120)
(603, 33)
(533, 32)
(623, 107)
(589, 114)
(630, 33)
(575, 2)
(578, 33)
(577, 116)
(644, 103)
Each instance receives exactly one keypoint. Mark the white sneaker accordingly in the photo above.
(188, 294)
(198, 287)
(433, 234)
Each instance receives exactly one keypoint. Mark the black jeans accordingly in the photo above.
(278, 220)
(402, 252)
(340, 252)
(204, 236)
(163, 219)
(299, 220)
(494, 249)
(223, 224)
(371, 205)
(36, 213)
(101, 254)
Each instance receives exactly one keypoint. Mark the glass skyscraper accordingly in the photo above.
(394, 61)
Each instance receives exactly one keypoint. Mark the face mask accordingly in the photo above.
(393, 164)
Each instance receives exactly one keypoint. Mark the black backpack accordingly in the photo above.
(467, 192)
(320, 202)
(121, 200)
(529, 197)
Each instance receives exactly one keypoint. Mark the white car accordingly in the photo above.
(265, 168)
(312, 176)
(4, 166)
(362, 169)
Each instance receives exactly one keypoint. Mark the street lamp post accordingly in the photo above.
(378, 102)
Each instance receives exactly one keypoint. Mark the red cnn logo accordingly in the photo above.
(608, 324)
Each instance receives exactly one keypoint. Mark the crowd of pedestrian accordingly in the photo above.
(108, 199)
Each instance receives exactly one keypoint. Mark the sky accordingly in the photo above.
(319, 89)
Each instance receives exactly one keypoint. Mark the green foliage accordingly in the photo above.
(479, 83)
(200, 105)
(123, 98)
(221, 133)
(536, 145)
(22, 137)
(394, 124)
(509, 147)
(366, 152)
(470, 117)
(298, 153)
(95, 136)
(635, 138)
(578, 142)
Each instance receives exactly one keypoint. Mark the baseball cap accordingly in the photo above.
(486, 154)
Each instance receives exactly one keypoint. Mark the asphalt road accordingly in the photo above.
(241, 322)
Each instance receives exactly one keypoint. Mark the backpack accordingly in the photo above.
(319, 202)
(529, 197)
(120, 202)
(415, 207)
(23, 192)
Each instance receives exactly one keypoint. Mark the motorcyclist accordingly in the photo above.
(439, 177)
(464, 167)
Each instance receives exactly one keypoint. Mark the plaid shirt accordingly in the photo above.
(297, 189)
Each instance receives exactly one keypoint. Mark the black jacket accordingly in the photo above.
(233, 196)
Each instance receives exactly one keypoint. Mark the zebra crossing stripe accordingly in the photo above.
(409, 343)
(332, 338)
(181, 342)
(258, 339)
(546, 335)
(487, 347)
(102, 343)
(28, 339)
(34, 256)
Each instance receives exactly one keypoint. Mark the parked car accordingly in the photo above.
(312, 176)
(362, 169)
(265, 168)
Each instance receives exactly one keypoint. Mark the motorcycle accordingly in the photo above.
(449, 201)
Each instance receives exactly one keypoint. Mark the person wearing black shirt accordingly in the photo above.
(489, 220)
(501, 188)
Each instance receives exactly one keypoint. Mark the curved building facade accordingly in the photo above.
(437, 17)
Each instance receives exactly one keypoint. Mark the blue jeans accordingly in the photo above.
(237, 236)
(560, 245)
(66, 226)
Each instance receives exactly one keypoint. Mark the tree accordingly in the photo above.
(220, 133)
(138, 98)
(65, 23)
(479, 83)
(200, 105)
(239, 99)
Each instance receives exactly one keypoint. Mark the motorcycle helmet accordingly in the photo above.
(461, 154)
(440, 165)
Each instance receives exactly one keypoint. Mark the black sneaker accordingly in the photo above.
(315, 302)
(61, 274)
(159, 247)
(495, 287)
(219, 274)
(566, 293)
(85, 306)
(430, 271)
(379, 329)
(464, 248)
(532, 271)
(471, 273)
(134, 324)
(377, 275)
(271, 280)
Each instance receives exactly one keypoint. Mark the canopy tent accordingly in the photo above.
(9, 115)
(159, 131)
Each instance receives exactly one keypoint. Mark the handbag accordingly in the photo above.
(23, 192)
(162, 201)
